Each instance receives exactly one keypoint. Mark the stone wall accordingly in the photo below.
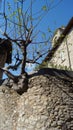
(47, 105)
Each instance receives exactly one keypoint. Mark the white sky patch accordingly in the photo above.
(30, 67)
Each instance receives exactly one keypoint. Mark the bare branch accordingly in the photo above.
(32, 61)
(13, 67)
(36, 58)
(13, 40)
(46, 41)
(10, 75)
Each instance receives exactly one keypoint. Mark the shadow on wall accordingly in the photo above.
(62, 74)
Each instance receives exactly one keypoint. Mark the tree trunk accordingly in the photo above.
(24, 58)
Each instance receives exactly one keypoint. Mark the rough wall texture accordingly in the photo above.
(63, 57)
(47, 105)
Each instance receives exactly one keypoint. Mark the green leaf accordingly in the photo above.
(43, 35)
(31, 18)
(46, 43)
(44, 8)
(9, 6)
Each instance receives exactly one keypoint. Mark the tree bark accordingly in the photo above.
(24, 58)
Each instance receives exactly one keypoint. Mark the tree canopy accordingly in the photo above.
(21, 23)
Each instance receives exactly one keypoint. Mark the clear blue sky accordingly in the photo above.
(60, 15)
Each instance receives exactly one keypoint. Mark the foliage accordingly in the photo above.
(43, 65)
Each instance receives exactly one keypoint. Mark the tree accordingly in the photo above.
(19, 24)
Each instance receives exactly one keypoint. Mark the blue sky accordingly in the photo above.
(60, 15)
(55, 18)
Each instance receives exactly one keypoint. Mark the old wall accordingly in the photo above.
(47, 105)
(63, 58)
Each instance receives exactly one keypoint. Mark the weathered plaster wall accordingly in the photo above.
(63, 58)
(47, 105)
